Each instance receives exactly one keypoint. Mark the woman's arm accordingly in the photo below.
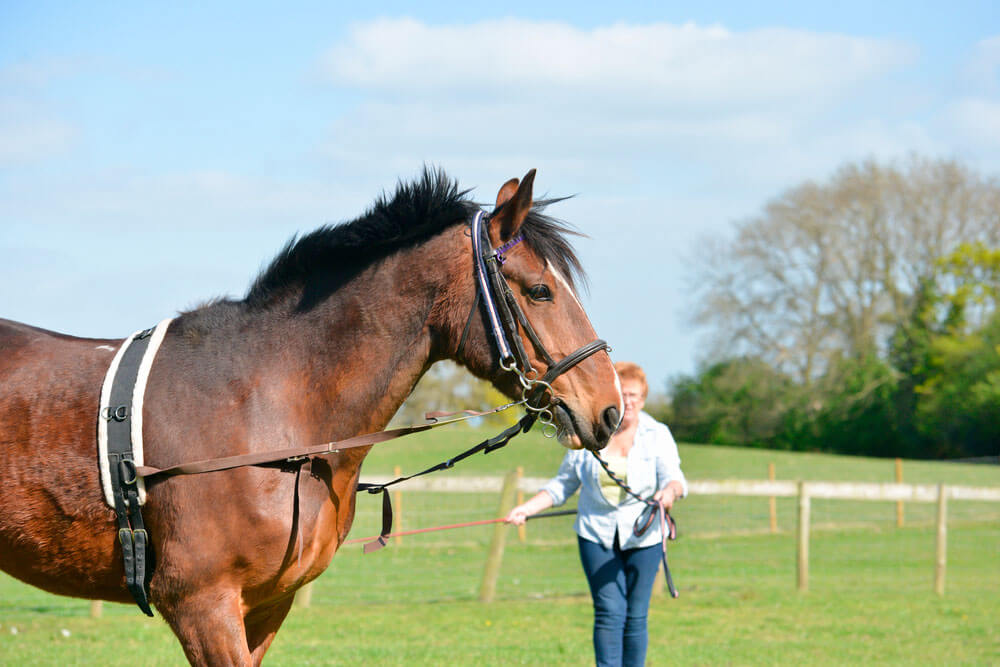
(540, 502)
(668, 463)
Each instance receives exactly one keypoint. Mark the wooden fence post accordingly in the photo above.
(803, 538)
(941, 548)
(899, 503)
(397, 501)
(772, 502)
(522, 532)
(96, 608)
(488, 588)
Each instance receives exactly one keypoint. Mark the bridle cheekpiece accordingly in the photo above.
(504, 315)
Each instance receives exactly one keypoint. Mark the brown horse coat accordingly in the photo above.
(327, 344)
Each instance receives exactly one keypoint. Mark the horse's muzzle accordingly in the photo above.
(576, 433)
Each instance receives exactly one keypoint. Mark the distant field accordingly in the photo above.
(870, 597)
(541, 456)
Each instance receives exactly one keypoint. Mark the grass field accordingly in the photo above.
(870, 597)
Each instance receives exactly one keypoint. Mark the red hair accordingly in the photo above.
(628, 370)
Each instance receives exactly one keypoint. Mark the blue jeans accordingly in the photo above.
(621, 583)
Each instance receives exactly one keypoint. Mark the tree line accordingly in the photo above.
(857, 315)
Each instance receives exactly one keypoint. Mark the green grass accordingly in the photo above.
(540, 456)
(870, 598)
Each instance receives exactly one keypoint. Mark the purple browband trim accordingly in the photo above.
(507, 246)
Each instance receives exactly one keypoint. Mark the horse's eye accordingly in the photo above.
(540, 292)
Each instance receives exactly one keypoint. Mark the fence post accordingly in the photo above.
(304, 596)
(522, 530)
(899, 503)
(803, 538)
(397, 500)
(96, 608)
(772, 502)
(941, 548)
(488, 588)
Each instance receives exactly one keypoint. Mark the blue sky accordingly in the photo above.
(154, 157)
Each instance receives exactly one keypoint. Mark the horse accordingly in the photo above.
(327, 343)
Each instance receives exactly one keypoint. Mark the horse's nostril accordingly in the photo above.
(611, 418)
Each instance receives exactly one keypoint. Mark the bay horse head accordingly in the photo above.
(532, 337)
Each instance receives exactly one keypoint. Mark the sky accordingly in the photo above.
(153, 157)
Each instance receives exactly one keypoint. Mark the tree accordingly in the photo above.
(830, 270)
(870, 306)
(733, 402)
(949, 355)
(447, 387)
(852, 411)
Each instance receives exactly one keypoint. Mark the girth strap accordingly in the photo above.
(124, 480)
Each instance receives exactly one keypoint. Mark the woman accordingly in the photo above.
(620, 566)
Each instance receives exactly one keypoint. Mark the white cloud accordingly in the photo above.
(983, 69)
(500, 92)
(29, 134)
(977, 122)
(635, 66)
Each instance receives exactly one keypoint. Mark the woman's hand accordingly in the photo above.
(540, 502)
(517, 516)
(668, 495)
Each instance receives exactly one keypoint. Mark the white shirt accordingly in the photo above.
(653, 462)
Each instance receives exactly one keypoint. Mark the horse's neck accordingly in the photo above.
(360, 353)
(363, 358)
(340, 368)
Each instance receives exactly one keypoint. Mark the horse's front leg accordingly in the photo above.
(209, 624)
(262, 625)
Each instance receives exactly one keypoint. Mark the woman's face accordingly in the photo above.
(634, 402)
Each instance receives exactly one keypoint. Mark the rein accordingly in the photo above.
(467, 524)
(668, 527)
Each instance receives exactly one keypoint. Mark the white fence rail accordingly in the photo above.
(805, 491)
(927, 493)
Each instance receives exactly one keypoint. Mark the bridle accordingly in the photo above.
(503, 318)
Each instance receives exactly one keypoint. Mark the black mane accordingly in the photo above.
(328, 257)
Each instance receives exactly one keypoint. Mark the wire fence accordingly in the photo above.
(699, 515)
(540, 559)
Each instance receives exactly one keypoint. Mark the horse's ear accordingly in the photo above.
(513, 205)
(507, 191)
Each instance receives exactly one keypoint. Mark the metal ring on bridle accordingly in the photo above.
(526, 383)
(547, 392)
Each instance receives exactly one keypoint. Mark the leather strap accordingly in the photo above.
(486, 446)
(124, 479)
(668, 528)
(272, 456)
